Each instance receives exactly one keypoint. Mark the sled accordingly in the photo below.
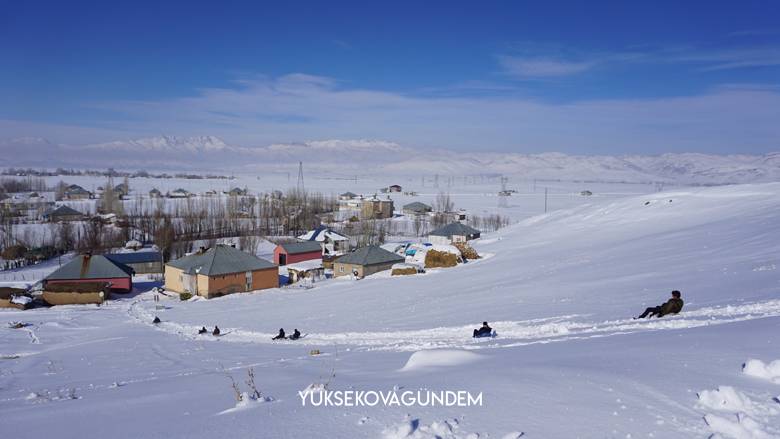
(493, 334)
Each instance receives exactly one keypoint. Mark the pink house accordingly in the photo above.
(294, 252)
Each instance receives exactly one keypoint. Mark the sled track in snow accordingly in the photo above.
(510, 333)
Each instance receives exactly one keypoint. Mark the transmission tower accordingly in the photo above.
(300, 186)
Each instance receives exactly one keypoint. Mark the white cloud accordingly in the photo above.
(295, 108)
(535, 68)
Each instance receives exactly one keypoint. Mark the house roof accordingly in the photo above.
(418, 207)
(135, 257)
(370, 255)
(320, 233)
(294, 248)
(63, 211)
(91, 267)
(222, 259)
(454, 229)
(348, 194)
(76, 189)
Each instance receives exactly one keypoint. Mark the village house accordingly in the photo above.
(332, 243)
(63, 214)
(121, 191)
(237, 192)
(290, 253)
(142, 262)
(311, 269)
(416, 209)
(179, 193)
(76, 192)
(394, 188)
(220, 270)
(365, 261)
(88, 268)
(452, 233)
(375, 208)
(155, 193)
(347, 196)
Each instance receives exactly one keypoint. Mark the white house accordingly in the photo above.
(333, 243)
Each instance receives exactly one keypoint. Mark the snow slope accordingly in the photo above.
(560, 289)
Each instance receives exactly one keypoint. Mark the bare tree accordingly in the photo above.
(443, 203)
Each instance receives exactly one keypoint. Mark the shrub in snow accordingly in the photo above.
(725, 398)
(759, 369)
(185, 296)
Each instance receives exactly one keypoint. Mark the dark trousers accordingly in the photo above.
(650, 312)
(482, 332)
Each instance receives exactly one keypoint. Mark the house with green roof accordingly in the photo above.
(452, 233)
(366, 261)
(220, 270)
(88, 268)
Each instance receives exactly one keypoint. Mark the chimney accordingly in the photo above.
(85, 264)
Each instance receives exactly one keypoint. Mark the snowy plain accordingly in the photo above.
(559, 288)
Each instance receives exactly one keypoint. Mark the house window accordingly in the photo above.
(341, 269)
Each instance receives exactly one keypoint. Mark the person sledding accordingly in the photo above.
(202, 330)
(216, 331)
(280, 336)
(156, 320)
(295, 335)
(484, 331)
(672, 306)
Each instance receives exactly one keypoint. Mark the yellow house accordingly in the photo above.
(218, 271)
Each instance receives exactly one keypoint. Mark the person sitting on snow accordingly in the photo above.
(280, 336)
(203, 330)
(484, 331)
(295, 335)
(216, 330)
(156, 320)
(672, 306)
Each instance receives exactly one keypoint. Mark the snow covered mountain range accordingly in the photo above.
(359, 156)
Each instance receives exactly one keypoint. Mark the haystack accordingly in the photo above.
(466, 250)
(403, 270)
(439, 259)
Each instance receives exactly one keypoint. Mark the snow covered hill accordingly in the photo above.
(560, 289)
(351, 157)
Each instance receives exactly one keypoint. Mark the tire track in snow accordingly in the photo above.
(510, 333)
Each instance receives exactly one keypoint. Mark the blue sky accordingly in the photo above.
(575, 77)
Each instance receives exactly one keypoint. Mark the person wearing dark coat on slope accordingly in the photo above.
(203, 330)
(484, 331)
(672, 306)
(156, 320)
(295, 335)
(216, 330)
(280, 336)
